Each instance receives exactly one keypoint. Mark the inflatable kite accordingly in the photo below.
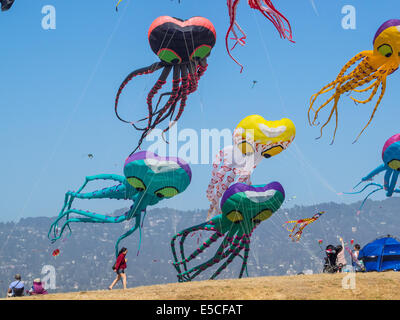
(243, 209)
(298, 226)
(6, 4)
(391, 166)
(148, 179)
(254, 139)
(373, 66)
(183, 47)
(268, 10)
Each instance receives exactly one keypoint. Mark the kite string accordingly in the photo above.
(278, 88)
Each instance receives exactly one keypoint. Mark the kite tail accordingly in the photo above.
(232, 22)
(273, 15)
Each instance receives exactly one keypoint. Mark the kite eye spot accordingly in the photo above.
(235, 216)
(246, 148)
(137, 184)
(385, 50)
(273, 151)
(167, 192)
(394, 164)
(169, 56)
(201, 52)
(263, 215)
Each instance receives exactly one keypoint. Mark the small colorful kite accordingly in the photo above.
(116, 7)
(373, 66)
(299, 225)
(56, 253)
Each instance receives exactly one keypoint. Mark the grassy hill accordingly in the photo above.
(368, 286)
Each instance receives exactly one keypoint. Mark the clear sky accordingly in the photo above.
(58, 88)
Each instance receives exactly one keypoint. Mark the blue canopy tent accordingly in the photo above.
(382, 254)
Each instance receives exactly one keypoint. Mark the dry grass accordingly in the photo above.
(369, 286)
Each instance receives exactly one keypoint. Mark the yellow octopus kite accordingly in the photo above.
(374, 65)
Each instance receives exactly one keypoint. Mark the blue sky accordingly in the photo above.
(58, 88)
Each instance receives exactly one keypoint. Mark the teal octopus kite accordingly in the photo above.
(243, 208)
(148, 179)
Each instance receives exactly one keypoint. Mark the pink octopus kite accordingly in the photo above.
(268, 10)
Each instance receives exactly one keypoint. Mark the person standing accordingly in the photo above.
(356, 263)
(340, 259)
(119, 268)
(16, 288)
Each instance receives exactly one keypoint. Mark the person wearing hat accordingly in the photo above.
(16, 288)
(37, 288)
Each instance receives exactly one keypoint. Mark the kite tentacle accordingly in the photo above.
(383, 89)
(90, 217)
(228, 261)
(246, 256)
(374, 172)
(183, 235)
(352, 61)
(232, 7)
(352, 82)
(128, 233)
(392, 184)
(147, 70)
(220, 255)
(205, 245)
(365, 187)
(184, 90)
(273, 15)
(159, 84)
(201, 249)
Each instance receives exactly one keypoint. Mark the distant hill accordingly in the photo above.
(87, 255)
